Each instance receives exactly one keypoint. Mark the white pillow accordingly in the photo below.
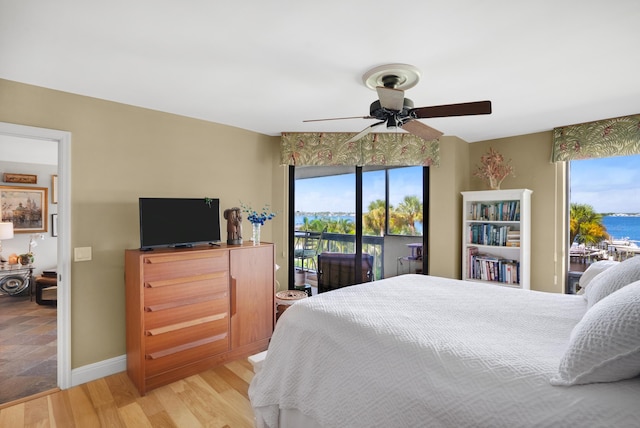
(612, 279)
(591, 272)
(605, 345)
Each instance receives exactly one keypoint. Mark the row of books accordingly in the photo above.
(495, 211)
(492, 234)
(487, 267)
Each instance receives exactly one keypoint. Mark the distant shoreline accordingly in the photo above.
(620, 214)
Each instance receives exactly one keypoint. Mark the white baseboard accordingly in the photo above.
(98, 370)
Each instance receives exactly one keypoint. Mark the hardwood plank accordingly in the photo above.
(162, 420)
(134, 416)
(100, 393)
(234, 381)
(60, 413)
(36, 412)
(197, 399)
(84, 414)
(122, 389)
(243, 369)
(213, 398)
(109, 416)
(217, 404)
(175, 407)
(12, 416)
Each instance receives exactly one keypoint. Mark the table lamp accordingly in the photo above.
(6, 232)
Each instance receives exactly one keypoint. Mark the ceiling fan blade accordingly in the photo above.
(391, 99)
(339, 118)
(421, 130)
(462, 109)
(364, 132)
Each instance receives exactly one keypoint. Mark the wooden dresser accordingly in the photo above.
(191, 309)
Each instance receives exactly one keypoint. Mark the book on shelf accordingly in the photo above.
(488, 267)
(495, 211)
(491, 234)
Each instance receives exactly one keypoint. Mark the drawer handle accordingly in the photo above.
(185, 279)
(185, 347)
(234, 291)
(174, 327)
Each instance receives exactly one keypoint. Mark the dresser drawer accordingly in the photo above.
(166, 350)
(168, 266)
(167, 291)
(162, 316)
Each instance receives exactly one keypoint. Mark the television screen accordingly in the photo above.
(178, 222)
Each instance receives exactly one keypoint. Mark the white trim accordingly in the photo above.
(63, 138)
(98, 370)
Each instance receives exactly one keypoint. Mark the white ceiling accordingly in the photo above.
(266, 66)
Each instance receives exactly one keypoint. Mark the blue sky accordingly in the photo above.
(608, 184)
(337, 194)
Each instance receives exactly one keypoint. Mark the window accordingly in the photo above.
(405, 201)
(604, 209)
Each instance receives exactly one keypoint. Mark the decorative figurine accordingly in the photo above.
(234, 225)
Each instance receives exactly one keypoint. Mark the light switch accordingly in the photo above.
(82, 254)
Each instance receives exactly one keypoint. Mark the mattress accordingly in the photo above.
(416, 350)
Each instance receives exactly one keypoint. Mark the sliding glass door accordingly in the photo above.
(373, 214)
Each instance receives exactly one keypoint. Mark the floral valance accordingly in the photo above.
(604, 138)
(331, 148)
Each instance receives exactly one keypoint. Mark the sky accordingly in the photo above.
(607, 184)
(337, 193)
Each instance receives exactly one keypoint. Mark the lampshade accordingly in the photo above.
(6, 230)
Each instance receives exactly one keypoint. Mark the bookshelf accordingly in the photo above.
(496, 237)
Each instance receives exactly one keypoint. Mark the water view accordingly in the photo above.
(623, 227)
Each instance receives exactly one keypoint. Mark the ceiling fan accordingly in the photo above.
(396, 111)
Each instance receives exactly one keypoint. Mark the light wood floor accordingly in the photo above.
(215, 398)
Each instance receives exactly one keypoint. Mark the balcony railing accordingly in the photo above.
(346, 244)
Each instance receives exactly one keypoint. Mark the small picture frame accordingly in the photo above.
(54, 189)
(54, 225)
(9, 177)
(25, 207)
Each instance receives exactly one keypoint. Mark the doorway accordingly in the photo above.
(20, 134)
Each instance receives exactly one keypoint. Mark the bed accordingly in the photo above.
(424, 351)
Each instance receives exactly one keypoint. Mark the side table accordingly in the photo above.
(15, 279)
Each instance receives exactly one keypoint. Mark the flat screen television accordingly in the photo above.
(178, 222)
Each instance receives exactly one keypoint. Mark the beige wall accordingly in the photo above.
(445, 209)
(530, 156)
(118, 154)
(121, 152)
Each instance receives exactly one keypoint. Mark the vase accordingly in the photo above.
(494, 184)
(256, 233)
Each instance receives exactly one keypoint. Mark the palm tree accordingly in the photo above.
(374, 220)
(410, 210)
(585, 225)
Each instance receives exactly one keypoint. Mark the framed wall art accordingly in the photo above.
(54, 189)
(9, 177)
(25, 207)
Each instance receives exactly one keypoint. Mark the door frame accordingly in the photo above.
(63, 138)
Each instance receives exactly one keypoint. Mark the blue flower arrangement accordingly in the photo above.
(258, 217)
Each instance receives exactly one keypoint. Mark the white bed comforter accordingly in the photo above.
(421, 351)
